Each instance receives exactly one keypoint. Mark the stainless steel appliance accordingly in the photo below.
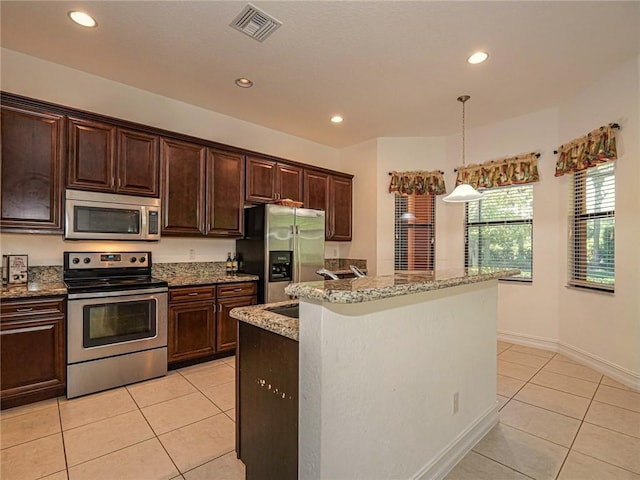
(105, 216)
(281, 245)
(116, 320)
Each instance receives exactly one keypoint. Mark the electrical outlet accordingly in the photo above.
(335, 252)
(192, 254)
(456, 402)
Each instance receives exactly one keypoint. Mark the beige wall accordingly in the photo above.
(361, 160)
(608, 326)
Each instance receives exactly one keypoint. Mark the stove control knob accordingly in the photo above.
(143, 259)
(87, 260)
(76, 260)
(133, 260)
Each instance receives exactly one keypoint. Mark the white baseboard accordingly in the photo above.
(440, 466)
(610, 369)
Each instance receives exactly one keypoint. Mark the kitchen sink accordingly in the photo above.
(289, 311)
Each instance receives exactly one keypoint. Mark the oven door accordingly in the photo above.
(115, 323)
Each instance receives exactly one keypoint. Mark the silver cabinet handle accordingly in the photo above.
(237, 289)
(24, 309)
(192, 294)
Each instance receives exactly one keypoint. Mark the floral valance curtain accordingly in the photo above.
(499, 173)
(417, 183)
(598, 146)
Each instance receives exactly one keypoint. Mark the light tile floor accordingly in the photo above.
(181, 426)
(558, 420)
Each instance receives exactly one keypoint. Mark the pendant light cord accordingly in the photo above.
(463, 99)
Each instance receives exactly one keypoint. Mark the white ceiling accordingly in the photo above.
(392, 69)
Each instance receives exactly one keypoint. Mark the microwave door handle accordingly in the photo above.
(143, 227)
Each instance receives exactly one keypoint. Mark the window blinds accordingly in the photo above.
(592, 228)
(414, 232)
(499, 230)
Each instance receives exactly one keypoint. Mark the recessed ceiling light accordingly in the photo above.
(244, 82)
(337, 119)
(82, 18)
(478, 57)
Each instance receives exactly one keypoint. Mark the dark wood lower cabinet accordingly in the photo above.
(267, 403)
(226, 326)
(33, 357)
(191, 330)
(200, 326)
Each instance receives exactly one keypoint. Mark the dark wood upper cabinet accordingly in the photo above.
(289, 182)
(183, 187)
(225, 193)
(32, 169)
(104, 158)
(331, 193)
(269, 180)
(261, 179)
(316, 190)
(340, 210)
(138, 163)
(91, 162)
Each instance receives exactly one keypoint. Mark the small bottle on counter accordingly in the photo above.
(234, 264)
(229, 264)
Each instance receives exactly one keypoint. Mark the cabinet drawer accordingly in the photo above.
(192, 293)
(11, 309)
(237, 289)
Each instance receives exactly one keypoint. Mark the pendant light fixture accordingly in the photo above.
(463, 192)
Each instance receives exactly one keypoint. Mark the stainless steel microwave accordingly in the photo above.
(106, 216)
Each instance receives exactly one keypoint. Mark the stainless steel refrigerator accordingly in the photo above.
(282, 245)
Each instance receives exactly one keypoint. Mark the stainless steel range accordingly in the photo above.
(116, 320)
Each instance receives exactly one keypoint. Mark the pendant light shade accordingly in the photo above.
(463, 192)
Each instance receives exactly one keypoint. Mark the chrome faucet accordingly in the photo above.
(327, 274)
(357, 272)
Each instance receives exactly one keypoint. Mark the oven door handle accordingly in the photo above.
(119, 293)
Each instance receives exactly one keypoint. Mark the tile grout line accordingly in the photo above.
(579, 428)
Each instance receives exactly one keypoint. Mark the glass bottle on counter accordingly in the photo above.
(229, 264)
(234, 264)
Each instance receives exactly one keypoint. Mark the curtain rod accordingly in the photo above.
(391, 173)
(492, 161)
(612, 125)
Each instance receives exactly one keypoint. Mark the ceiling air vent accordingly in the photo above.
(254, 22)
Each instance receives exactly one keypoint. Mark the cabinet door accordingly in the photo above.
(225, 194)
(191, 330)
(289, 182)
(316, 190)
(226, 325)
(138, 163)
(261, 179)
(340, 209)
(33, 361)
(91, 161)
(32, 170)
(183, 187)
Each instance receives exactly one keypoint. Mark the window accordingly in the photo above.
(414, 232)
(592, 228)
(499, 230)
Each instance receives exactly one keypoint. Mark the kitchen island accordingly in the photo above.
(396, 375)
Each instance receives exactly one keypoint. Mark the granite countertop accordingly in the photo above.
(203, 278)
(358, 290)
(33, 289)
(260, 316)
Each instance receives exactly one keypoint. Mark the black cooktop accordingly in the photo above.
(112, 284)
(89, 272)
